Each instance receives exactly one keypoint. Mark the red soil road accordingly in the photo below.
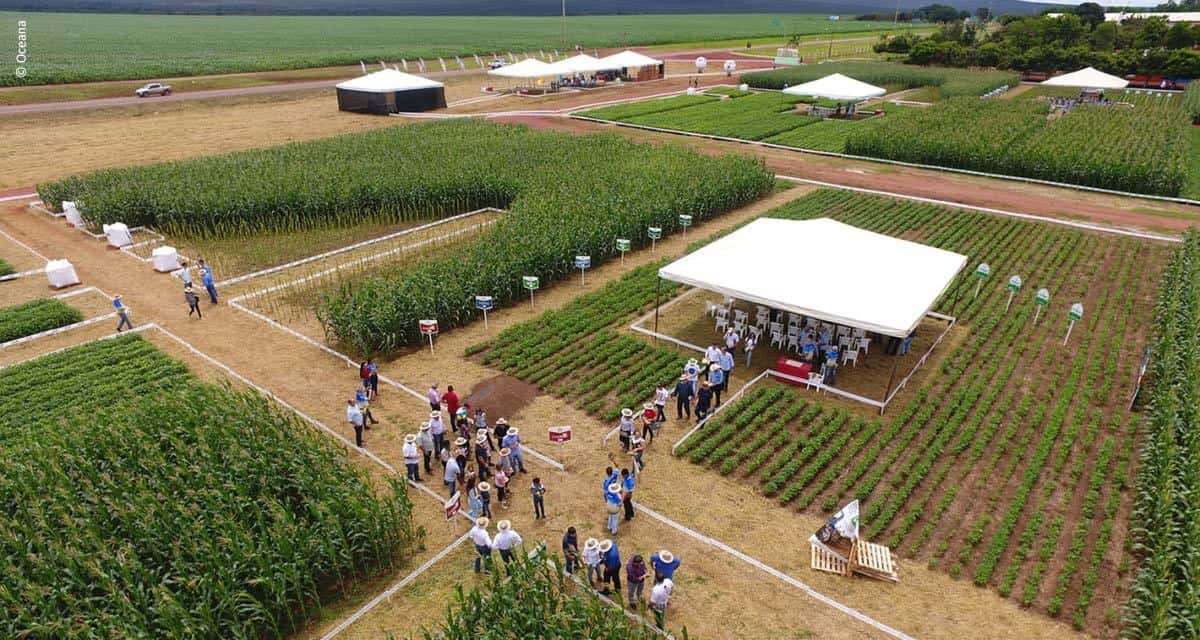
(1041, 200)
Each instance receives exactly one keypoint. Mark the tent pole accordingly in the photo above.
(891, 378)
(657, 290)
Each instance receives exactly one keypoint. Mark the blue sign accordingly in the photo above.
(484, 303)
(583, 262)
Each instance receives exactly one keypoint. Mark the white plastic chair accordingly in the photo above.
(777, 339)
(739, 327)
(816, 380)
(740, 316)
(793, 341)
(761, 324)
(776, 327)
(859, 333)
(864, 345)
(850, 357)
(710, 308)
(810, 323)
(756, 332)
(843, 332)
(722, 312)
(844, 343)
(722, 323)
(793, 331)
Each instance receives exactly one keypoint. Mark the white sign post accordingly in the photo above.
(623, 245)
(1040, 300)
(531, 283)
(655, 233)
(982, 272)
(429, 328)
(560, 436)
(582, 263)
(685, 221)
(484, 304)
(1014, 285)
(1075, 314)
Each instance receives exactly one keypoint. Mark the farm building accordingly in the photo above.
(390, 91)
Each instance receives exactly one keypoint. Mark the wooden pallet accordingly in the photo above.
(827, 561)
(875, 561)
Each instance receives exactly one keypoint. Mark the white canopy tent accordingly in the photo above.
(1087, 78)
(628, 58)
(390, 91)
(527, 69)
(582, 63)
(388, 80)
(837, 87)
(874, 282)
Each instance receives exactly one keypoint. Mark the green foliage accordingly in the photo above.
(6, 268)
(142, 503)
(1191, 101)
(628, 110)
(35, 316)
(753, 117)
(952, 82)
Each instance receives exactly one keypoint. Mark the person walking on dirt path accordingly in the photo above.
(474, 505)
(727, 363)
(364, 405)
(185, 274)
(711, 356)
(539, 499)
(683, 392)
(661, 394)
(748, 348)
(206, 278)
(364, 377)
(665, 563)
(412, 457)
(704, 400)
(483, 544)
(716, 382)
(355, 418)
(625, 428)
(485, 498)
(507, 539)
(435, 398)
(692, 371)
(592, 559)
(437, 429)
(500, 480)
(451, 400)
(450, 476)
(483, 452)
(612, 502)
(660, 598)
(635, 580)
(637, 447)
(425, 444)
(627, 484)
(122, 313)
(651, 421)
(193, 302)
(512, 441)
(610, 557)
(731, 338)
(373, 377)
(570, 549)
(499, 431)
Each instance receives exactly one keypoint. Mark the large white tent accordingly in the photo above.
(390, 91)
(582, 63)
(862, 279)
(627, 59)
(1087, 78)
(527, 69)
(836, 87)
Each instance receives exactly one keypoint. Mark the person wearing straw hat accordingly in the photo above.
(627, 485)
(500, 480)
(592, 558)
(660, 401)
(451, 400)
(649, 423)
(612, 502)
(483, 451)
(503, 461)
(716, 379)
(506, 540)
(637, 447)
(570, 547)
(437, 429)
(635, 580)
(412, 457)
(692, 371)
(485, 498)
(512, 440)
(704, 400)
(355, 418)
(660, 597)
(711, 355)
(727, 363)
(625, 428)
(450, 476)
(425, 444)
(499, 431)
(122, 313)
(364, 405)
(683, 392)
(483, 544)
(460, 450)
(611, 559)
(435, 397)
(665, 563)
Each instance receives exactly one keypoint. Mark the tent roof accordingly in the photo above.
(862, 279)
(388, 80)
(582, 63)
(527, 68)
(1087, 78)
(836, 87)
(629, 58)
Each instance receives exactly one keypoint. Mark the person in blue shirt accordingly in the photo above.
(627, 485)
(831, 365)
(907, 344)
(809, 351)
(512, 442)
(122, 313)
(206, 277)
(665, 563)
(727, 361)
(716, 378)
(611, 559)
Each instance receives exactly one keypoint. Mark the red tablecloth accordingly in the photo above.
(794, 368)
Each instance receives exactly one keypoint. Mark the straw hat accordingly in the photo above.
(504, 525)
(118, 296)
(501, 421)
(628, 413)
(647, 406)
(683, 377)
(605, 546)
(512, 431)
(591, 543)
(505, 451)
(482, 521)
(434, 385)
(483, 486)
(424, 426)
(480, 439)
(706, 384)
(435, 414)
(714, 367)
(666, 556)
(481, 432)
(614, 488)
(691, 361)
(410, 438)
(460, 442)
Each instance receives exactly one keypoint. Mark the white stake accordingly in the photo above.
(1068, 336)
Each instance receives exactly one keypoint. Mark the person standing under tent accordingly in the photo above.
(808, 351)
(704, 400)
(364, 405)
(412, 457)
(193, 302)
(666, 563)
(355, 418)
(660, 401)
(206, 278)
(625, 428)
(907, 344)
(635, 580)
(611, 559)
(727, 363)
(450, 476)
(512, 440)
(437, 429)
(716, 381)
(506, 540)
(627, 484)
(485, 498)
(483, 544)
(612, 502)
(435, 398)
(831, 365)
(122, 313)
(592, 559)
(539, 499)
(451, 400)
(660, 598)
(748, 348)
(684, 390)
(425, 444)
(731, 338)
(570, 549)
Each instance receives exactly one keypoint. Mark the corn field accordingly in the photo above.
(141, 503)
(35, 316)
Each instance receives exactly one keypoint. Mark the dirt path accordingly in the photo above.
(718, 595)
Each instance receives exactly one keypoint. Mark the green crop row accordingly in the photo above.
(628, 110)
(755, 117)
(141, 503)
(35, 316)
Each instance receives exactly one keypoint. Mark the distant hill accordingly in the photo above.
(493, 7)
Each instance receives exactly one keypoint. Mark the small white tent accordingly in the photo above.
(527, 69)
(1087, 78)
(390, 91)
(836, 87)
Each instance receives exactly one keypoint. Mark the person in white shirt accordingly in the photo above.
(355, 418)
(661, 393)
(711, 355)
(483, 544)
(591, 558)
(506, 539)
(731, 338)
(660, 597)
(450, 477)
(412, 457)
(437, 429)
(748, 347)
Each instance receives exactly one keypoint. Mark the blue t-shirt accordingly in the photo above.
(117, 305)
(727, 360)
(628, 483)
(716, 377)
(666, 569)
(206, 275)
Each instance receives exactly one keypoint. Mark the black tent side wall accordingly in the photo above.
(421, 99)
(392, 102)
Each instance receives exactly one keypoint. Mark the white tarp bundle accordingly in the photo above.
(628, 58)
(836, 87)
(824, 269)
(61, 274)
(388, 81)
(525, 70)
(1087, 78)
(118, 234)
(165, 259)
